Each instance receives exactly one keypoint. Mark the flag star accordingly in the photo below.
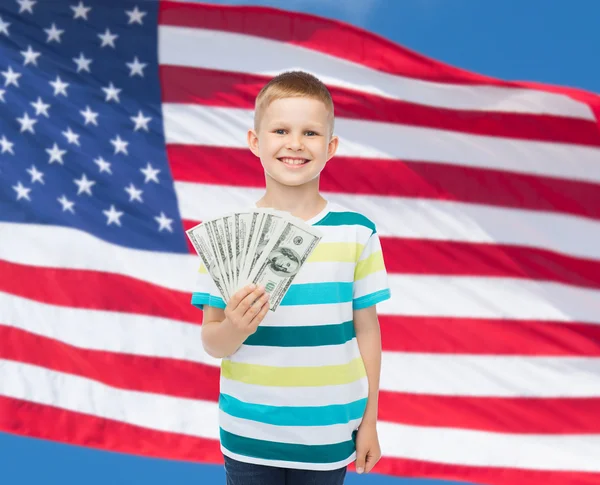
(12, 77)
(7, 146)
(84, 185)
(30, 56)
(36, 176)
(134, 194)
(53, 33)
(22, 192)
(80, 11)
(150, 173)
(120, 145)
(26, 5)
(71, 136)
(56, 154)
(67, 205)
(83, 64)
(108, 38)
(113, 215)
(59, 86)
(41, 108)
(141, 122)
(4, 27)
(164, 222)
(90, 116)
(135, 15)
(136, 67)
(103, 165)
(27, 123)
(112, 93)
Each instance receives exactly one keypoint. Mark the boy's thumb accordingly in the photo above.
(360, 461)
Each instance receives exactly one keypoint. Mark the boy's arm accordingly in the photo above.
(368, 335)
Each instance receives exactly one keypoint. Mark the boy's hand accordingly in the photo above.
(368, 451)
(247, 308)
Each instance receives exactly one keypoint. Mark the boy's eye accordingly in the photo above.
(311, 133)
(280, 131)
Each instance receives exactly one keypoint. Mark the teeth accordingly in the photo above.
(292, 161)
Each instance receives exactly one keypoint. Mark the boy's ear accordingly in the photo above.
(332, 147)
(253, 142)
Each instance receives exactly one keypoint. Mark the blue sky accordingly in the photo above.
(551, 41)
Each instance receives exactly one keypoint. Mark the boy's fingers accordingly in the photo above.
(240, 295)
(360, 461)
(260, 315)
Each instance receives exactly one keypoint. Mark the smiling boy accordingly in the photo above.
(299, 386)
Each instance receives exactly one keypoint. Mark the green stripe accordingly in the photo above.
(272, 450)
(346, 219)
(309, 336)
(293, 415)
(371, 299)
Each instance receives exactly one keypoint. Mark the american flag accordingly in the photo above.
(123, 123)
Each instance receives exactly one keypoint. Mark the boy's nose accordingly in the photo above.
(295, 143)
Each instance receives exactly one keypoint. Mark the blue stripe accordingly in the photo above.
(201, 299)
(346, 219)
(318, 293)
(300, 336)
(293, 415)
(371, 299)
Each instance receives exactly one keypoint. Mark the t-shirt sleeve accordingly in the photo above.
(205, 291)
(370, 276)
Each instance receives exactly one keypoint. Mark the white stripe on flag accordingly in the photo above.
(228, 51)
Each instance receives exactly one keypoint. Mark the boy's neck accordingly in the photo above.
(302, 205)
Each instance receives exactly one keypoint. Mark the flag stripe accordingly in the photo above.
(194, 124)
(173, 377)
(84, 429)
(467, 447)
(400, 333)
(426, 219)
(442, 374)
(211, 87)
(424, 180)
(234, 43)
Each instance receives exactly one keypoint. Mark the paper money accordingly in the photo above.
(283, 258)
(262, 246)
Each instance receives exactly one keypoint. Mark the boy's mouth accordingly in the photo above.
(293, 161)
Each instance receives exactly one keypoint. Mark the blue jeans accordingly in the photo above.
(239, 473)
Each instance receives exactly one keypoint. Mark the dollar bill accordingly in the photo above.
(202, 245)
(282, 259)
(217, 239)
(228, 222)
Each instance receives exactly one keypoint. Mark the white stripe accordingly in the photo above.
(290, 464)
(468, 375)
(438, 220)
(64, 247)
(105, 330)
(199, 418)
(227, 127)
(297, 356)
(493, 376)
(227, 51)
(298, 435)
(296, 396)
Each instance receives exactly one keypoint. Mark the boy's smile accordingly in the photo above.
(293, 140)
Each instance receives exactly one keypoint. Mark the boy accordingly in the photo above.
(299, 386)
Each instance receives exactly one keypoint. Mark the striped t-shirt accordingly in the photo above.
(294, 393)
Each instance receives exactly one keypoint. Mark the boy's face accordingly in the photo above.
(293, 141)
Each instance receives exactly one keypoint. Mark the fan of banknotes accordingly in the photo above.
(262, 246)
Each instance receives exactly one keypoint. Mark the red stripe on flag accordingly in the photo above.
(478, 336)
(52, 423)
(189, 85)
(488, 475)
(496, 414)
(173, 377)
(399, 178)
(78, 288)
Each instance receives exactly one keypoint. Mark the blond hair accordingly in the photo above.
(293, 84)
